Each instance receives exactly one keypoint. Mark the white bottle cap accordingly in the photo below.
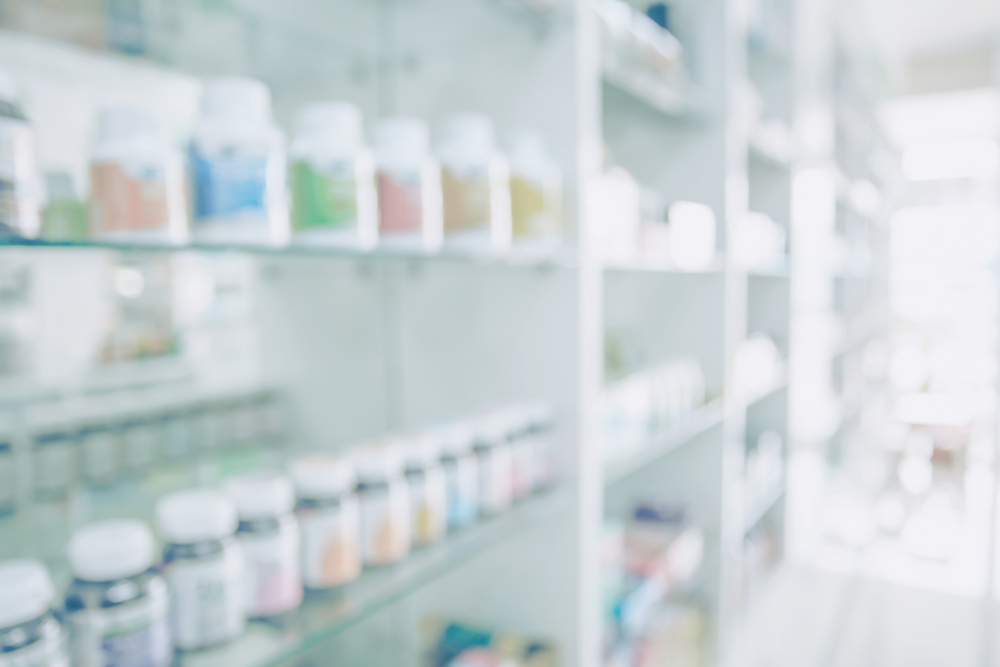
(110, 550)
(339, 122)
(322, 476)
(26, 591)
(238, 99)
(195, 515)
(378, 463)
(8, 87)
(401, 137)
(469, 132)
(261, 495)
(125, 124)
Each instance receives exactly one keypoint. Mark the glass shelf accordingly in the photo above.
(663, 265)
(701, 420)
(323, 615)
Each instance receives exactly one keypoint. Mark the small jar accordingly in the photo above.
(30, 634)
(117, 605)
(203, 563)
(523, 466)
(461, 472)
(428, 490)
(493, 452)
(385, 504)
(269, 535)
(329, 520)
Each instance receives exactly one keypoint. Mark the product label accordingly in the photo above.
(273, 580)
(129, 635)
(48, 652)
(324, 198)
(462, 492)
(400, 203)
(331, 549)
(385, 525)
(207, 599)
(534, 211)
(127, 199)
(466, 201)
(228, 183)
(428, 507)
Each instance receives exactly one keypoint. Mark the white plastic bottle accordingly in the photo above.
(238, 166)
(30, 633)
(409, 185)
(535, 192)
(475, 185)
(21, 191)
(332, 178)
(384, 498)
(136, 181)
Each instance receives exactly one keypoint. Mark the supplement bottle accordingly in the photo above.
(203, 563)
(238, 166)
(428, 488)
(329, 520)
(461, 474)
(535, 192)
(333, 178)
(385, 504)
(493, 452)
(136, 181)
(409, 185)
(475, 185)
(117, 605)
(30, 634)
(21, 192)
(269, 535)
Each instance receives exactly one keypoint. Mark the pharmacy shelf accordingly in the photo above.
(662, 265)
(675, 100)
(759, 509)
(323, 616)
(547, 257)
(701, 420)
(780, 382)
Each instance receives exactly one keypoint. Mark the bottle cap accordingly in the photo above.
(238, 99)
(378, 463)
(401, 136)
(110, 550)
(26, 591)
(322, 476)
(261, 495)
(339, 121)
(125, 125)
(195, 515)
(470, 132)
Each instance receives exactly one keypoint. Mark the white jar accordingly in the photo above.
(409, 185)
(238, 166)
(385, 504)
(475, 185)
(136, 181)
(461, 471)
(332, 178)
(30, 634)
(329, 520)
(203, 563)
(535, 192)
(21, 191)
(269, 535)
(427, 486)
(493, 453)
(118, 604)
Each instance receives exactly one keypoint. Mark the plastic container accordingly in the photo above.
(475, 185)
(30, 634)
(136, 181)
(238, 166)
(269, 535)
(409, 185)
(535, 192)
(333, 178)
(461, 471)
(385, 504)
(117, 606)
(21, 192)
(428, 488)
(329, 520)
(493, 453)
(203, 563)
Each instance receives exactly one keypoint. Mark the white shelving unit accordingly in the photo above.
(365, 343)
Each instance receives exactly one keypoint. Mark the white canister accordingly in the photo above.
(461, 471)
(31, 635)
(428, 491)
(493, 452)
(385, 504)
